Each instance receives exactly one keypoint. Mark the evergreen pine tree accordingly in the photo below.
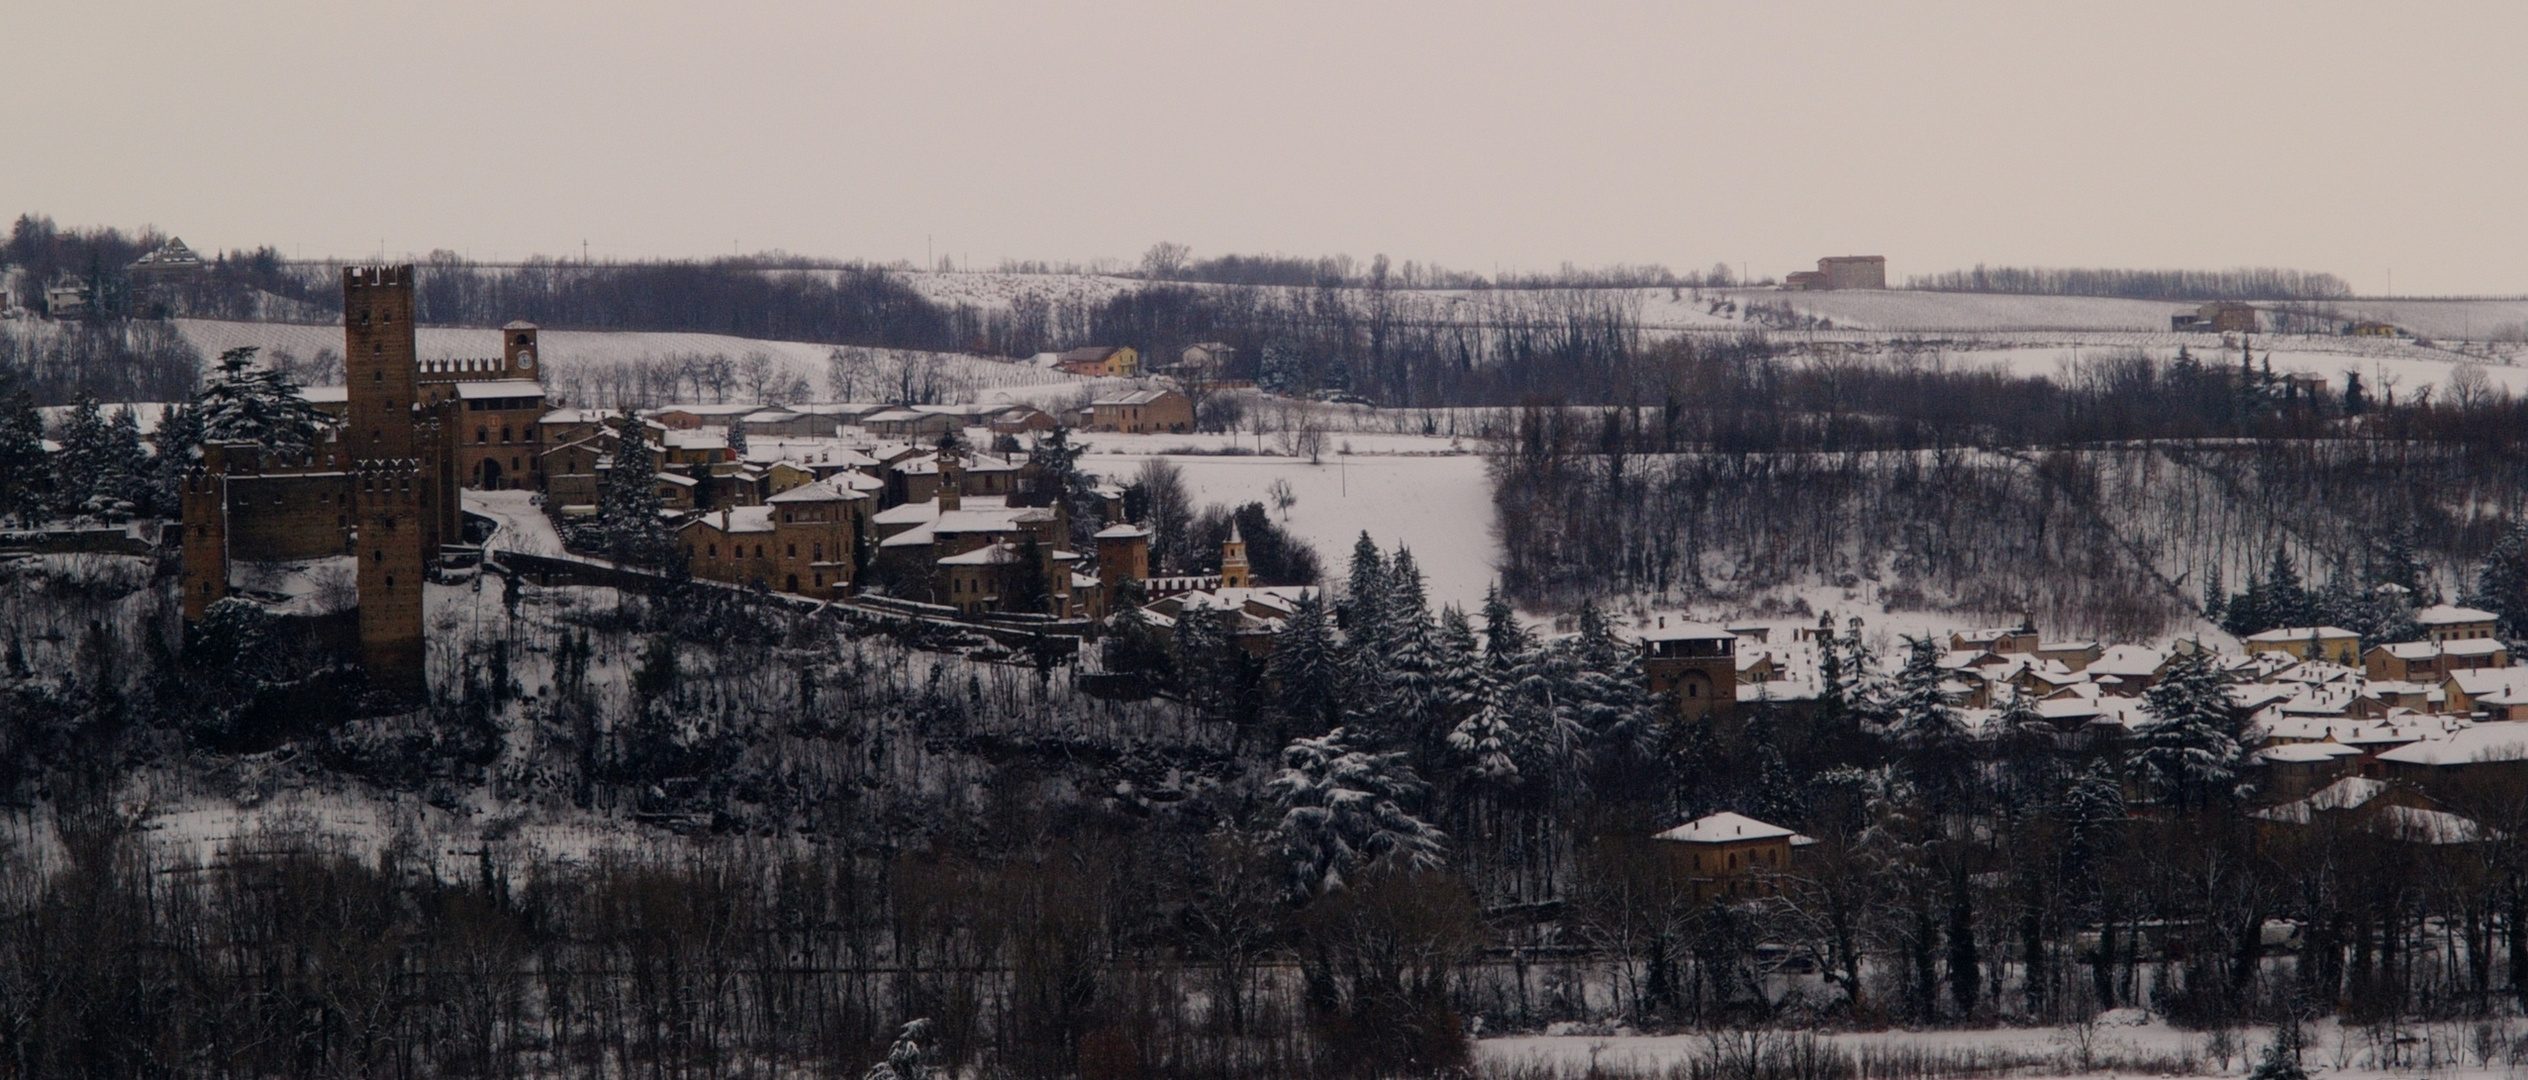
(2188, 753)
(628, 506)
(1345, 807)
(241, 402)
(2501, 583)
(25, 475)
(1414, 675)
(1305, 670)
(737, 440)
(2282, 1055)
(126, 464)
(1920, 714)
(179, 444)
(82, 462)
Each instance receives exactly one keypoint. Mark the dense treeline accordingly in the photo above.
(2244, 283)
(2113, 500)
(741, 297)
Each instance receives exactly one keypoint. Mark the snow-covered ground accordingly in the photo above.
(2121, 1043)
(1428, 494)
(519, 515)
(574, 357)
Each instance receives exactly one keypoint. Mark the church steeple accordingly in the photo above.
(952, 477)
(1234, 573)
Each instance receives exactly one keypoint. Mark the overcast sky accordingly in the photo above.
(2357, 139)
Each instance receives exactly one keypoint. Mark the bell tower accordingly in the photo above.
(518, 356)
(1234, 573)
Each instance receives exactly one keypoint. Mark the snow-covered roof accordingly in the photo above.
(1122, 532)
(2473, 647)
(1137, 397)
(499, 388)
(739, 519)
(2306, 752)
(1667, 629)
(1000, 554)
(721, 409)
(1723, 828)
(2127, 660)
(2302, 633)
(818, 491)
(2477, 682)
(696, 439)
(2452, 615)
(324, 395)
(2499, 741)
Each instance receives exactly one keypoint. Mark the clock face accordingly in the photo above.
(526, 358)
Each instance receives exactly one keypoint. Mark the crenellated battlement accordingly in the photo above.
(470, 365)
(366, 277)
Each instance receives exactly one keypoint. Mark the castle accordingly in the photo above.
(382, 488)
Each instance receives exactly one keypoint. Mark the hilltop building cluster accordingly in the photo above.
(816, 500)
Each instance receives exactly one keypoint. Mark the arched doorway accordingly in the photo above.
(490, 479)
(792, 585)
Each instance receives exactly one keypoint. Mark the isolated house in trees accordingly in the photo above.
(1731, 855)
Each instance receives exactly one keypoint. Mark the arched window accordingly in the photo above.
(482, 435)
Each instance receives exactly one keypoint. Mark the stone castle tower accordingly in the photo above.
(395, 463)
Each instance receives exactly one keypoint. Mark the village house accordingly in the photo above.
(1122, 362)
(2448, 622)
(2019, 639)
(2432, 660)
(917, 538)
(1841, 272)
(1142, 412)
(2482, 755)
(2396, 810)
(804, 541)
(2332, 644)
(1022, 420)
(2218, 317)
(2499, 693)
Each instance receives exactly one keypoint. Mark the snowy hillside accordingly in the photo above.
(1428, 494)
(580, 362)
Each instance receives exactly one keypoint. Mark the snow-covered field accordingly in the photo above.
(1428, 494)
(2121, 1043)
(2383, 365)
(570, 355)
